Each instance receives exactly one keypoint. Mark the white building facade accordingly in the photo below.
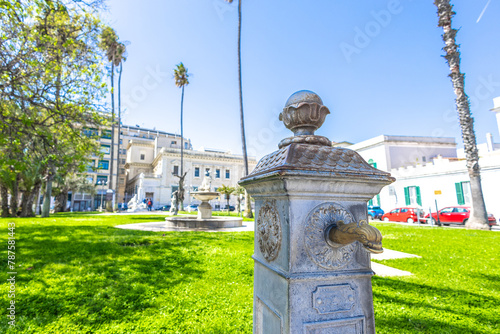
(430, 172)
(152, 165)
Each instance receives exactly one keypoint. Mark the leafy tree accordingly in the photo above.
(248, 211)
(226, 191)
(181, 78)
(51, 84)
(478, 218)
(238, 191)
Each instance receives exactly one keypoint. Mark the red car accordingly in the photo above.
(406, 214)
(457, 215)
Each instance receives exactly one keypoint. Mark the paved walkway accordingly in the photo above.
(379, 269)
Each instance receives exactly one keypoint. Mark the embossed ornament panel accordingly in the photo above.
(319, 250)
(269, 234)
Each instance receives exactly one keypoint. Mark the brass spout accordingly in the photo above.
(367, 235)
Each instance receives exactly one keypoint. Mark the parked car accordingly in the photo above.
(122, 206)
(456, 215)
(375, 212)
(193, 207)
(405, 214)
(163, 208)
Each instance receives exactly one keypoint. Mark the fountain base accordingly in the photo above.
(208, 223)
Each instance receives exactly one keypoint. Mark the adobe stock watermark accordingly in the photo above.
(363, 36)
(486, 88)
(266, 135)
(153, 78)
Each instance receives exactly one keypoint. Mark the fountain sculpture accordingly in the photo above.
(204, 218)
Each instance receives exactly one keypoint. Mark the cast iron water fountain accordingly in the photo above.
(312, 240)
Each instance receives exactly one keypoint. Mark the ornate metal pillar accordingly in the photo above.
(312, 239)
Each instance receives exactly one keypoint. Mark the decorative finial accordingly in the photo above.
(303, 114)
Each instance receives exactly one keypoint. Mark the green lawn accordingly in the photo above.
(78, 274)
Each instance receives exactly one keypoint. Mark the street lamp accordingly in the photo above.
(102, 183)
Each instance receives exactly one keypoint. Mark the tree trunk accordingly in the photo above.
(27, 207)
(182, 131)
(248, 204)
(5, 201)
(61, 202)
(112, 152)
(238, 199)
(14, 199)
(48, 192)
(478, 217)
(119, 128)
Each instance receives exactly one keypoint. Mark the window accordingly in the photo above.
(102, 179)
(173, 142)
(228, 174)
(123, 161)
(90, 132)
(185, 146)
(103, 164)
(375, 200)
(217, 173)
(395, 211)
(123, 151)
(404, 210)
(121, 181)
(143, 156)
(106, 134)
(90, 180)
(122, 170)
(197, 172)
(424, 159)
(105, 149)
(207, 170)
(174, 188)
(412, 195)
(176, 170)
(195, 188)
(91, 166)
(463, 192)
(372, 163)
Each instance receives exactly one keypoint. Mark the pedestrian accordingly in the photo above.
(150, 204)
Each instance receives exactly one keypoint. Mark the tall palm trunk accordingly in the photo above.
(248, 203)
(181, 180)
(111, 164)
(478, 217)
(119, 122)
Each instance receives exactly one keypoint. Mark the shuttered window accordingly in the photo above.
(412, 195)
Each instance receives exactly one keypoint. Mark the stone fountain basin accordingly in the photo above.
(208, 223)
(205, 195)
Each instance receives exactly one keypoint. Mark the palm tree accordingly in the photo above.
(248, 211)
(238, 191)
(478, 217)
(122, 59)
(181, 79)
(226, 191)
(115, 52)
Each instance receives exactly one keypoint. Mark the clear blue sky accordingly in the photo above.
(376, 64)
